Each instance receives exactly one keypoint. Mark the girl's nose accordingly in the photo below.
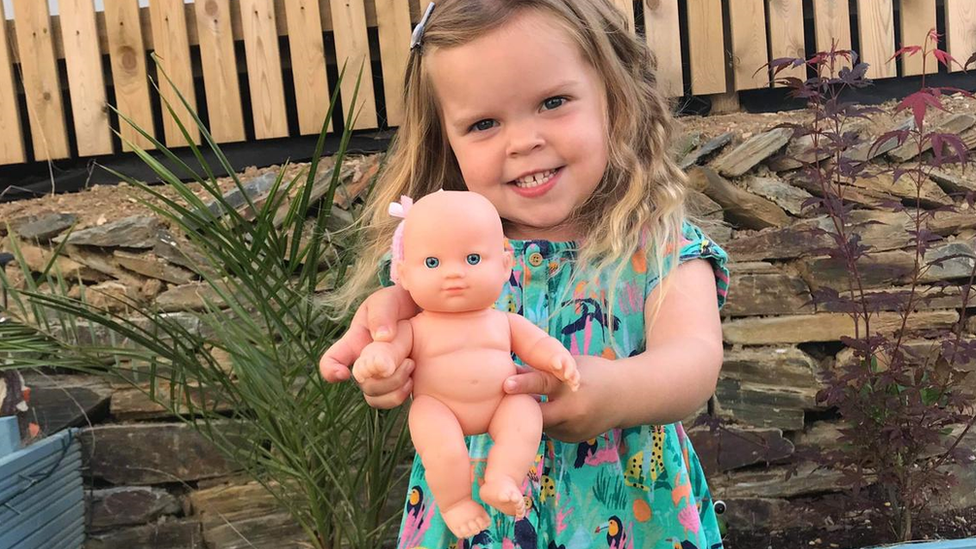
(523, 139)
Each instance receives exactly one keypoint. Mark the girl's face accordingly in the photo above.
(526, 117)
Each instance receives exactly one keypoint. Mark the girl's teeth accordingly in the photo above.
(535, 179)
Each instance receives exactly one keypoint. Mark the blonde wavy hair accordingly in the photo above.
(640, 200)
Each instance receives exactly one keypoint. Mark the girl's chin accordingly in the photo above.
(557, 231)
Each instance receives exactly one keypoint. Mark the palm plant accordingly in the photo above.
(328, 458)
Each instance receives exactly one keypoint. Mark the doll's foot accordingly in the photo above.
(465, 519)
(503, 494)
(564, 368)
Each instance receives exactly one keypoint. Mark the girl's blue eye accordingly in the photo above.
(483, 125)
(432, 262)
(474, 259)
(553, 103)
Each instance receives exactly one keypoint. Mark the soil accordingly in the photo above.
(850, 534)
(101, 204)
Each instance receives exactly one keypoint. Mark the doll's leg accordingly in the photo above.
(516, 429)
(440, 443)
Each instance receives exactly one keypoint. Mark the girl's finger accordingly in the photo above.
(551, 417)
(335, 363)
(391, 400)
(394, 383)
(531, 383)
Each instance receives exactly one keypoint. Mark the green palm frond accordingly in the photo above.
(328, 458)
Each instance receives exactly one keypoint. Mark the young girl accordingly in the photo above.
(549, 109)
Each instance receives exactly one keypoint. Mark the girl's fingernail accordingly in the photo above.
(382, 331)
(510, 384)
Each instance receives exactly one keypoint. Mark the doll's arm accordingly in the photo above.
(380, 359)
(542, 352)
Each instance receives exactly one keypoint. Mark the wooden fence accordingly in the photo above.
(58, 73)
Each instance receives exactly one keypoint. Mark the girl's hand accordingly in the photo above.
(389, 392)
(574, 416)
(376, 319)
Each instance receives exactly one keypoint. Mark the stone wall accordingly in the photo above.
(159, 485)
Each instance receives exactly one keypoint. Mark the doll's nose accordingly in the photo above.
(456, 272)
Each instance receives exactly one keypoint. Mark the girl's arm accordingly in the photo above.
(664, 384)
(680, 366)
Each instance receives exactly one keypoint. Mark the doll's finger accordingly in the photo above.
(335, 363)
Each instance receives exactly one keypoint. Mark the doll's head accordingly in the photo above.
(453, 253)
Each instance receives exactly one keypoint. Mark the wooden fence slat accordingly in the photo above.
(11, 136)
(421, 7)
(663, 35)
(308, 64)
(747, 21)
(876, 27)
(41, 83)
(961, 30)
(172, 46)
(832, 22)
(131, 82)
(219, 63)
(352, 50)
(85, 77)
(786, 34)
(393, 19)
(917, 19)
(264, 69)
(627, 8)
(706, 41)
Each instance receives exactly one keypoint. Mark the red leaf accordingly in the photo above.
(34, 429)
(944, 57)
(907, 51)
(919, 102)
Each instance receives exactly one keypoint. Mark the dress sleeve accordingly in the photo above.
(384, 270)
(695, 244)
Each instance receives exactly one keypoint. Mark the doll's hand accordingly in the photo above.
(377, 361)
(574, 416)
(376, 319)
(564, 368)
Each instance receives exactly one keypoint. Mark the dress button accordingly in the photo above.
(535, 259)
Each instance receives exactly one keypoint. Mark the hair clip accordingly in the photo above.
(418, 32)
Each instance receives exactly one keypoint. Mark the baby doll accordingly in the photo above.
(453, 262)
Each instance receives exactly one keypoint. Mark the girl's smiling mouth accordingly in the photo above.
(536, 184)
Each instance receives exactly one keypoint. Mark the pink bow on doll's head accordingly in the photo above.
(400, 210)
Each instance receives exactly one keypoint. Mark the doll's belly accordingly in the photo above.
(468, 382)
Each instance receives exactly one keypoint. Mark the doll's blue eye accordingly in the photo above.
(432, 262)
(474, 259)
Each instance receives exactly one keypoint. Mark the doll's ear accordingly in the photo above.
(508, 259)
(402, 276)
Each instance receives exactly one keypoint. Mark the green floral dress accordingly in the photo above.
(636, 488)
